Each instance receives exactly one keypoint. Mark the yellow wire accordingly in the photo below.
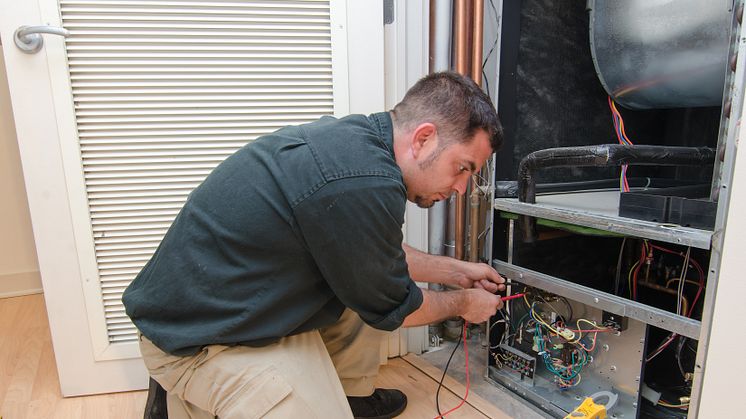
(580, 333)
(621, 123)
(595, 326)
(672, 280)
(662, 403)
(540, 320)
(526, 300)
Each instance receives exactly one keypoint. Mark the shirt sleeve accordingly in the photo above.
(353, 229)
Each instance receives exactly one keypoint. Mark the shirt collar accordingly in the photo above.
(385, 128)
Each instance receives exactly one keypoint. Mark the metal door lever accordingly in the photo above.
(28, 38)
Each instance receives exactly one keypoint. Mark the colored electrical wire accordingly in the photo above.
(621, 134)
(663, 346)
(440, 384)
(673, 406)
(700, 272)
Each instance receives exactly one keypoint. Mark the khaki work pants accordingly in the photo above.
(306, 375)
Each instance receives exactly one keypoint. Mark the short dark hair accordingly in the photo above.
(454, 104)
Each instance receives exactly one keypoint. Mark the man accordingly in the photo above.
(273, 288)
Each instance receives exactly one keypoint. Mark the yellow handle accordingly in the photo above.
(588, 410)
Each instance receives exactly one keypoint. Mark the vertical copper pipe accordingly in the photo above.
(477, 42)
(461, 58)
(476, 75)
(461, 36)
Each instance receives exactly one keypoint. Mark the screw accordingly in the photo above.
(606, 348)
(612, 368)
(595, 300)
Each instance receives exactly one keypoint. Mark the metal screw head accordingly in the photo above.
(595, 300)
(520, 275)
(605, 348)
(612, 368)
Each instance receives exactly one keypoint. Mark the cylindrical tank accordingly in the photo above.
(661, 53)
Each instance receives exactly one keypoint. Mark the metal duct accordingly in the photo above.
(661, 53)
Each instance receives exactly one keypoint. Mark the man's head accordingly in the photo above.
(444, 130)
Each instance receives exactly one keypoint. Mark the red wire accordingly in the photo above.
(466, 355)
(700, 272)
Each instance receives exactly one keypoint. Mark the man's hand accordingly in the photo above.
(474, 305)
(480, 305)
(453, 272)
(478, 275)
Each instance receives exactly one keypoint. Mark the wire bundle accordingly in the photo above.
(648, 253)
(621, 135)
(550, 343)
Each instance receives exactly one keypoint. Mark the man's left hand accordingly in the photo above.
(479, 275)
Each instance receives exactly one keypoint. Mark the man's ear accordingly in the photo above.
(424, 137)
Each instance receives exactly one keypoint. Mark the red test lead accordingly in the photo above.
(512, 297)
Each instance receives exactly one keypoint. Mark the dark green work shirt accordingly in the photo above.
(279, 239)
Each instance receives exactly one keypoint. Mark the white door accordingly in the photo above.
(118, 122)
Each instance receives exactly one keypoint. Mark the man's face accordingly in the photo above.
(441, 172)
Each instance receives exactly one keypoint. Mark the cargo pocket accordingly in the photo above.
(256, 396)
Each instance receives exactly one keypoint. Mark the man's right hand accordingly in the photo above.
(480, 305)
(475, 305)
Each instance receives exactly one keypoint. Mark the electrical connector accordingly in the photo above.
(567, 334)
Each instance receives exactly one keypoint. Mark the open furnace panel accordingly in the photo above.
(615, 258)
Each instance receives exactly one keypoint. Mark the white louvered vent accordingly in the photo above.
(164, 91)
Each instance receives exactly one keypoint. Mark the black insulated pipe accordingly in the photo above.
(509, 188)
(605, 155)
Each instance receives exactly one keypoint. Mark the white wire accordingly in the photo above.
(684, 270)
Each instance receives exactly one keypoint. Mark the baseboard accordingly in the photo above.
(21, 283)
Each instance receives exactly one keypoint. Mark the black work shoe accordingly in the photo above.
(382, 404)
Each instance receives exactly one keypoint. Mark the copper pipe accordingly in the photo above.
(651, 285)
(476, 75)
(461, 36)
(461, 57)
(477, 42)
(469, 34)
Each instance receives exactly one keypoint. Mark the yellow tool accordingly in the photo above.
(591, 409)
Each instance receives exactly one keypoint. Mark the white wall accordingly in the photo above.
(19, 269)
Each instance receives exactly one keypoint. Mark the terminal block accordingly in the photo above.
(516, 361)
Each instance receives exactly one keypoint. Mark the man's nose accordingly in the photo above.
(460, 185)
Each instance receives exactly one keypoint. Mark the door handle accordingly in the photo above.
(28, 38)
